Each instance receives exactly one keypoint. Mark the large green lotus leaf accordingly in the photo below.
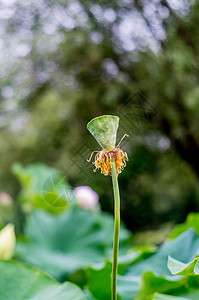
(43, 187)
(139, 282)
(127, 287)
(176, 267)
(192, 294)
(151, 283)
(159, 296)
(62, 244)
(99, 283)
(192, 221)
(19, 281)
(184, 248)
(99, 276)
(131, 288)
(159, 279)
(88, 294)
(185, 287)
(104, 130)
(136, 254)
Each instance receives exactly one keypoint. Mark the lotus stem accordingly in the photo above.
(116, 230)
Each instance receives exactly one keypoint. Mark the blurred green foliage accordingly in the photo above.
(65, 62)
(40, 285)
(69, 242)
(76, 246)
(42, 187)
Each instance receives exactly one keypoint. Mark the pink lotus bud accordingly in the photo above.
(86, 197)
(5, 199)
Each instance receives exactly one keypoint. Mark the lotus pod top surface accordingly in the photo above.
(104, 130)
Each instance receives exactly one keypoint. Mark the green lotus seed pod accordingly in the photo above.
(104, 130)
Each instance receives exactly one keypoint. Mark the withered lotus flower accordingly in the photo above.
(104, 129)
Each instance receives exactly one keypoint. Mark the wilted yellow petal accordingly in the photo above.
(7, 241)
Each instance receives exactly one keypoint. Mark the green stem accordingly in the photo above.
(116, 230)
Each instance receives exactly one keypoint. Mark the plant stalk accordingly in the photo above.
(116, 230)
